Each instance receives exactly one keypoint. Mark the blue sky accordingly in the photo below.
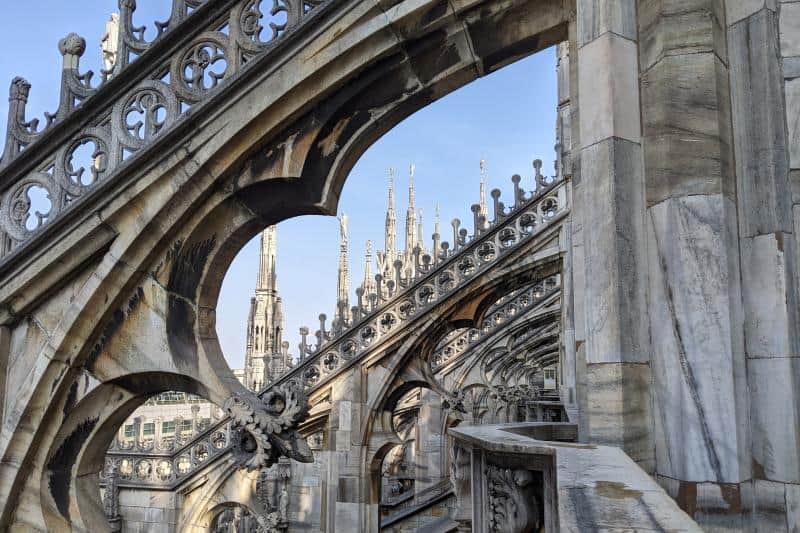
(507, 118)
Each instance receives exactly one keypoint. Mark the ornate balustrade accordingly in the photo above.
(435, 282)
(147, 89)
(462, 341)
(167, 465)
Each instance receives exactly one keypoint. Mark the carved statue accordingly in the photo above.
(109, 43)
(343, 227)
(235, 525)
(283, 505)
(111, 499)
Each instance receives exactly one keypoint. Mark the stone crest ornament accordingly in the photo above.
(265, 427)
(513, 504)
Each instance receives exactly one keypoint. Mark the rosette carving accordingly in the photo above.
(265, 428)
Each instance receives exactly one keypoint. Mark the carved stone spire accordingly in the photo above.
(391, 222)
(342, 314)
(263, 362)
(437, 236)
(483, 210)
(411, 215)
(267, 277)
(420, 232)
(369, 282)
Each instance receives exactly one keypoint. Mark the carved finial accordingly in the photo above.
(19, 90)
(391, 187)
(127, 4)
(343, 228)
(411, 171)
(73, 44)
(420, 229)
(483, 211)
(540, 181)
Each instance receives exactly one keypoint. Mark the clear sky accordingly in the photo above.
(507, 118)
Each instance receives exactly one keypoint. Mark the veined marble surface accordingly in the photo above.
(598, 487)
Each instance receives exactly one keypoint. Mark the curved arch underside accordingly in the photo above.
(156, 244)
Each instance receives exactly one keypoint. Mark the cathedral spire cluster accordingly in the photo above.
(267, 354)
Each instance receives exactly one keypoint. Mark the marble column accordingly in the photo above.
(615, 403)
(768, 249)
(700, 394)
(789, 33)
(567, 366)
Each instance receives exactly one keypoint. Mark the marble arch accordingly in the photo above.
(680, 329)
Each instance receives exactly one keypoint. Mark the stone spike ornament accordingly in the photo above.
(420, 232)
(390, 236)
(341, 315)
(411, 215)
(368, 285)
(483, 210)
(265, 427)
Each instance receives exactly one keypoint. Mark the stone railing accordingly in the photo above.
(462, 341)
(149, 87)
(524, 477)
(165, 466)
(435, 283)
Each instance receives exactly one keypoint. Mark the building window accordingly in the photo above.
(168, 427)
(186, 425)
(203, 424)
(129, 433)
(149, 429)
(170, 397)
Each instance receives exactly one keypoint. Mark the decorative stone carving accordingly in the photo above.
(513, 503)
(266, 426)
(462, 487)
(252, 444)
(111, 499)
(72, 44)
(158, 96)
